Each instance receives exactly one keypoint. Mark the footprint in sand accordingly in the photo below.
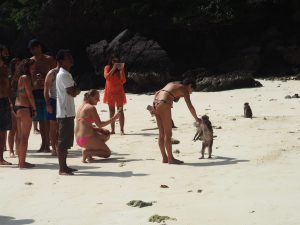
(217, 127)
(175, 141)
(122, 164)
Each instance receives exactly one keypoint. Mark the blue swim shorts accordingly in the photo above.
(40, 104)
(52, 116)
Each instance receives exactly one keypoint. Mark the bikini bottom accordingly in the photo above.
(82, 141)
(158, 102)
(18, 107)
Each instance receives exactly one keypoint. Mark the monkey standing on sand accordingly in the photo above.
(247, 110)
(205, 134)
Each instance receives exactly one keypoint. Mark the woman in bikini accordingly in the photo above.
(14, 77)
(162, 105)
(114, 94)
(88, 136)
(25, 109)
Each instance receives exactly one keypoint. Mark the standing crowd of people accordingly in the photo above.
(40, 90)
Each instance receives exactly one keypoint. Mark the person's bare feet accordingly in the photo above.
(165, 160)
(12, 155)
(122, 132)
(36, 131)
(90, 158)
(5, 163)
(175, 161)
(66, 173)
(112, 132)
(71, 169)
(86, 157)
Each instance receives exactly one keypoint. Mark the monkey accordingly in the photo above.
(152, 112)
(205, 134)
(247, 110)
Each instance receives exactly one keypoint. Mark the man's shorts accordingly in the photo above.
(52, 116)
(5, 114)
(65, 133)
(40, 104)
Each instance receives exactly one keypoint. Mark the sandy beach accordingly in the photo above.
(253, 177)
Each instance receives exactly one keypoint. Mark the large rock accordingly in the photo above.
(206, 81)
(291, 55)
(247, 59)
(147, 64)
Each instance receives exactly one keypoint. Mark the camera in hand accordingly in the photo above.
(119, 65)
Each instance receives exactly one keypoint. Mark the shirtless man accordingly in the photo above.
(5, 110)
(50, 98)
(162, 105)
(4, 57)
(43, 64)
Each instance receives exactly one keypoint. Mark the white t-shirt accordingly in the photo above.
(65, 102)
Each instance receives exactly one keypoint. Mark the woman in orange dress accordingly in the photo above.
(114, 94)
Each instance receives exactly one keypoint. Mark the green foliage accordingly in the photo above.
(23, 14)
(26, 15)
(216, 10)
(31, 16)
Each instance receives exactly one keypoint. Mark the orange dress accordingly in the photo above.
(114, 94)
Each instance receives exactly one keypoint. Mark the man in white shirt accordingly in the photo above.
(65, 114)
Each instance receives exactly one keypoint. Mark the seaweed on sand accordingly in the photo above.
(158, 219)
(139, 203)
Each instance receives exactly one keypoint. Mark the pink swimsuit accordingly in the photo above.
(82, 141)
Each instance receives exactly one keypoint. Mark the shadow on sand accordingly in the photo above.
(143, 134)
(54, 166)
(97, 161)
(115, 160)
(7, 220)
(124, 174)
(217, 161)
(74, 153)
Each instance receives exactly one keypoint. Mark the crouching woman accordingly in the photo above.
(92, 138)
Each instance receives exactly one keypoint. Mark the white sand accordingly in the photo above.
(253, 177)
